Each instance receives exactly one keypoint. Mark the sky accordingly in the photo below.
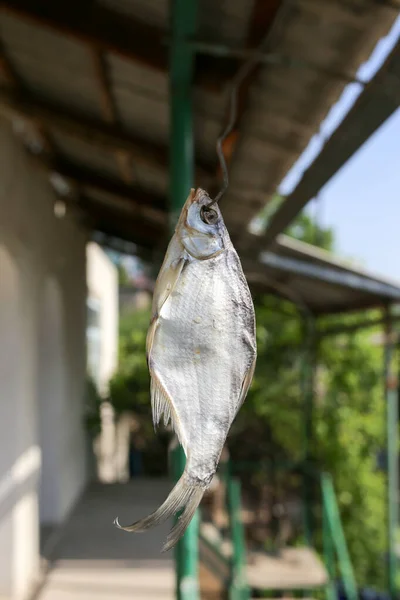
(362, 201)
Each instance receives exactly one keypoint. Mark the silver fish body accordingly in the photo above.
(201, 351)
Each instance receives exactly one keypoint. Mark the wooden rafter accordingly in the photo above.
(109, 110)
(136, 230)
(102, 201)
(106, 100)
(92, 180)
(8, 70)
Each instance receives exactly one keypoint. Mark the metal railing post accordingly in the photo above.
(183, 27)
(238, 589)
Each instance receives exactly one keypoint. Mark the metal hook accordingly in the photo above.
(236, 82)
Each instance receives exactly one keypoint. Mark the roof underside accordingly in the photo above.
(86, 84)
(378, 101)
(312, 277)
(309, 277)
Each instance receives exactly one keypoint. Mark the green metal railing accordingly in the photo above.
(238, 588)
(187, 552)
(335, 552)
(335, 547)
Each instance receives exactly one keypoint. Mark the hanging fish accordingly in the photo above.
(201, 351)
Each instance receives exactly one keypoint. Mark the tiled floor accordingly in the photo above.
(92, 560)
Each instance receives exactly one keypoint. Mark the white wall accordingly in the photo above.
(42, 305)
(102, 283)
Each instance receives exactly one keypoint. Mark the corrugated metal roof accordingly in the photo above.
(287, 104)
(50, 65)
(313, 279)
(56, 68)
(141, 97)
(317, 280)
(83, 153)
(225, 20)
(127, 206)
(376, 103)
(284, 108)
(142, 100)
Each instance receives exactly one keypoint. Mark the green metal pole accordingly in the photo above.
(336, 534)
(238, 588)
(183, 27)
(307, 386)
(186, 551)
(329, 556)
(181, 111)
(392, 446)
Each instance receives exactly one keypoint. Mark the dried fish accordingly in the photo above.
(201, 351)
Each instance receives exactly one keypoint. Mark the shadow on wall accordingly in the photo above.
(53, 405)
(19, 452)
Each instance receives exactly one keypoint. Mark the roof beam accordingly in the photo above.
(139, 231)
(142, 204)
(89, 179)
(147, 223)
(379, 100)
(92, 131)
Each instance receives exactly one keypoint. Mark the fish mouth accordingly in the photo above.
(201, 197)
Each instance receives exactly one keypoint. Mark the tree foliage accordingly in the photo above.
(348, 427)
(348, 415)
(123, 277)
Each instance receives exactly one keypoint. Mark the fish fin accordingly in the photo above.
(165, 285)
(150, 337)
(161, 403)
(182, 495)
(248, 378)
(192, 503)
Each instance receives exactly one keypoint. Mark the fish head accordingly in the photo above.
(201, 229)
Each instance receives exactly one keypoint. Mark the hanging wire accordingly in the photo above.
(241, 75)
(236, 82)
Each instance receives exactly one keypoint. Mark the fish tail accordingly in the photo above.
(192, 503)
(182, 495)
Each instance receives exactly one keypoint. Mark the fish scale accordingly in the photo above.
(201, 351)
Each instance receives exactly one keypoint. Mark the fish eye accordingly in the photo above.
(208, 215)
